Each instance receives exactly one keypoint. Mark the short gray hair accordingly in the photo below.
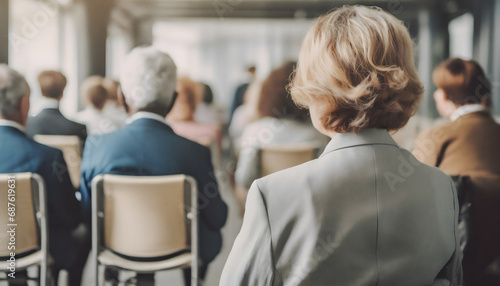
(148, 78)
(13, 87)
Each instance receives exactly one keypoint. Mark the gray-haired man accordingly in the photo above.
(147, 146)
(18, 154)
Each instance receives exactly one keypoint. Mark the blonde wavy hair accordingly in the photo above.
(357, 62)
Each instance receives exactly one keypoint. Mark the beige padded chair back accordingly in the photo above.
(24, 222)
(70, 146)
(211, 144)
(145, 216)
(277, 158)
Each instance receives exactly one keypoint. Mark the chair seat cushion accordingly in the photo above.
(25, 262)
(108, 258)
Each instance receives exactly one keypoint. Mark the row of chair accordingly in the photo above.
(120, 237)
(122, 224)
(272, 158)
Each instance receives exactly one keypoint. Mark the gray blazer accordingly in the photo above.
(366, 212)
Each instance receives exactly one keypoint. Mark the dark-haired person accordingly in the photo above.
(239, 94)
(93, 116)
(468, 146)
(280, 122)
(50, 121)
(366, 212)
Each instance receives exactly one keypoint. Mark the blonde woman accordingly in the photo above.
(366, 212)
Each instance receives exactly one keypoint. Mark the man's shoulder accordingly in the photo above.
(45, 117)
(74, 124)
(190, 146)
(36, 150)
(120, 136)
(439, 133)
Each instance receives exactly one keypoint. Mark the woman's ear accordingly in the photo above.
(123, 101)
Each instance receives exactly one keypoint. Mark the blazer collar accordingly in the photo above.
(365, 137)
(145, 122)
(10, 123)
(11, 129)
(50, 110)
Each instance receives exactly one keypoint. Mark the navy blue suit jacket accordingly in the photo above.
(20, 154)
(147, 147)
(50, 121)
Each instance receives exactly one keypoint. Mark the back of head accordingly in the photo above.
(13, 87)
(464, 82)
(111, 86)
(94, 92)
(274, 99)
(52, 84)
(187, 100)
(208, 95)
(357, 62)
(148, 79)
(251, 70)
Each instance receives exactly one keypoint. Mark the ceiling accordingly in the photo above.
(153, 9)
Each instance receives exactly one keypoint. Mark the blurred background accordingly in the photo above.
(215, 41)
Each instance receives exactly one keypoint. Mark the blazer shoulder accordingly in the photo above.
(192, 145)
(45, 153)
(100, 140)
(75, 125)
(437, 135)
(44, 149)
(296, 175)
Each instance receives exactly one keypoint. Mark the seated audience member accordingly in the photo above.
(281, 122)
(113, 109)
(366, 212)
(20, 154)
(148, 146)
(181, 118)
(50, 121)
(207, 111)
(93, 116)
(468, 146)
(245, 113)
(239, 94)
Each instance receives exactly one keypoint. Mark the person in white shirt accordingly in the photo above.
(113, 109)
(280, 122)
(207, 111)
(93, 116)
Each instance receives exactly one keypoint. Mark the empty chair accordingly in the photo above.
(70, 146)
(275, 158)
(23, 224)
(145, 224)
(279, 157)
